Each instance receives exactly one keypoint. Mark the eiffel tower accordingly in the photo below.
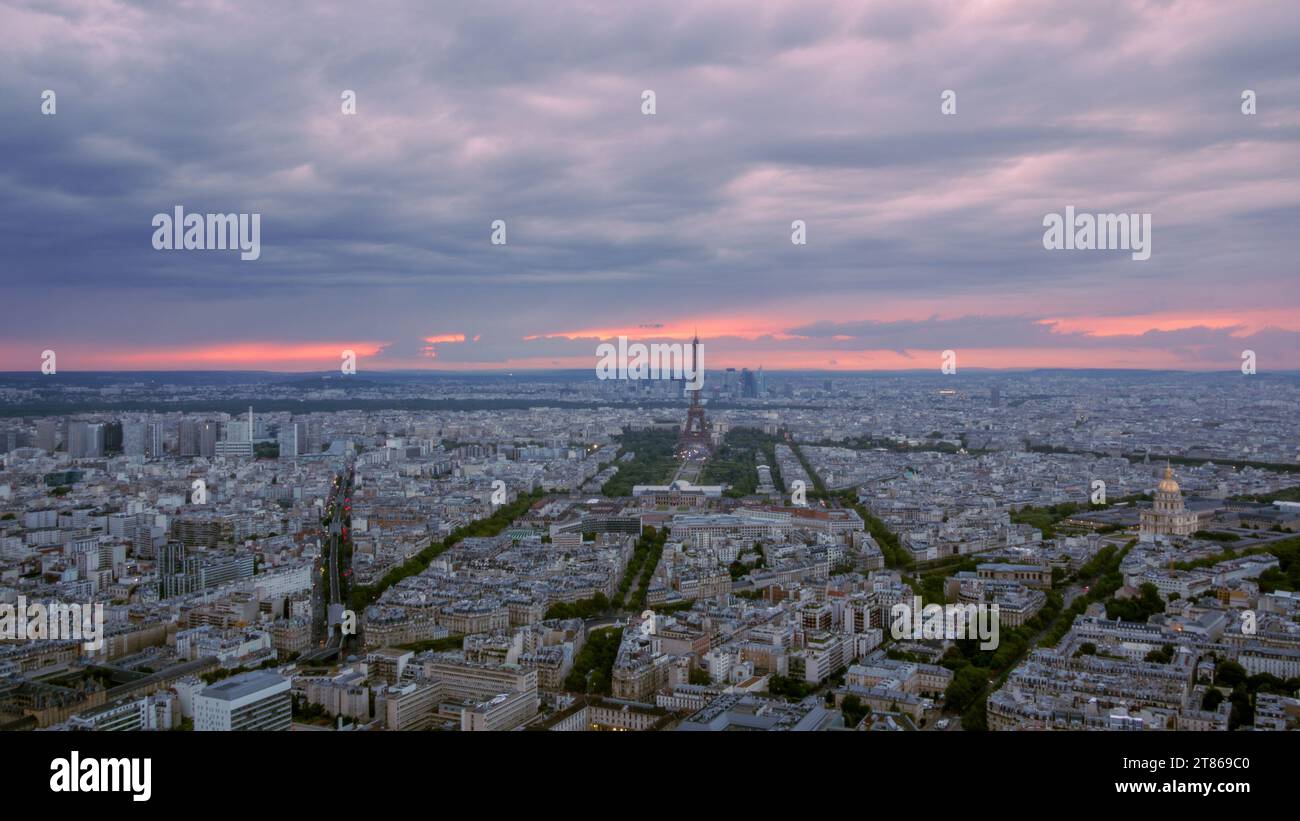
(696, 439)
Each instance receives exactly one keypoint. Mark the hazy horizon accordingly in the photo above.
(503, 371)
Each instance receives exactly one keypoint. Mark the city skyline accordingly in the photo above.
(813, 552)
(377, 376)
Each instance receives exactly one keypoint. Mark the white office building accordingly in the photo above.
(258, 700)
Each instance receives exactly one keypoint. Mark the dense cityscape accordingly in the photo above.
(546, 551)
(380, 379)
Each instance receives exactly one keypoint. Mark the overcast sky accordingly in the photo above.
(924, 231)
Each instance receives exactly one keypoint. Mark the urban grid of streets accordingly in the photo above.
(549, 551)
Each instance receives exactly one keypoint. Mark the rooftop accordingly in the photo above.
(241, 685)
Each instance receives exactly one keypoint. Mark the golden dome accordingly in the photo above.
(1167, 484)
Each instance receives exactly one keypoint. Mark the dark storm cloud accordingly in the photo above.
(376, 226)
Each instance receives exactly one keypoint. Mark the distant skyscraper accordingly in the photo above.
(144, 439)
(208, 439)
(172, 578)
(239, 437)
(47, 434)
(133, 434)
(112, 437)
(153, 440)
(292, 437)
(236, 443)
(142, 538)
(187, 438)
(315, 438)
(11, 440)
(78, 440)
(237, 432)
(996, 396)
